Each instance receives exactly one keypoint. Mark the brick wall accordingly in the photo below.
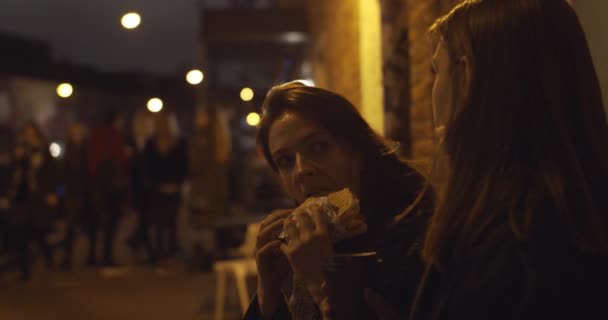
(407, 80)
(421, 16)
(396, 68)
(347, 53)
(407, 52)
(335, 42)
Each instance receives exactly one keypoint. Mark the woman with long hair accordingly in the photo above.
(521, 231)
(317, 143)
(141, 131)
(165, 171)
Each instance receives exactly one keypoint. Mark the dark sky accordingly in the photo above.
(89, 31)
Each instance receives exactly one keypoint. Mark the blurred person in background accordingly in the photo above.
(142, 128)
(208, 156)
(165, 172)
(75, 181)
(7, 145)
(7, 141)
(109, 180)
(34, 201)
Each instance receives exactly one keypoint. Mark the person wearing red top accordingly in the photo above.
(107, 169)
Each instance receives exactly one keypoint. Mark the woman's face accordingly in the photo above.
(442, 95)
(309, 160)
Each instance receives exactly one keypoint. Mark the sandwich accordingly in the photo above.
(342, 208)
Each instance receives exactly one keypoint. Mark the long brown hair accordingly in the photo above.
(388, 184)
(528, 146)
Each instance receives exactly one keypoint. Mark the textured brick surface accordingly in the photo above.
(335, 49)
(421, 16)
(407, 53)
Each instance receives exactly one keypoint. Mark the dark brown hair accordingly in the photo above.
(388, 184)
(528, 146)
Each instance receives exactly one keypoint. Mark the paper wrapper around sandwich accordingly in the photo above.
(346, 220)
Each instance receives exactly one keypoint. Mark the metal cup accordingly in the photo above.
(346, 276)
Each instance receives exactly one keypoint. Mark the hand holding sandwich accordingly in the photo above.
(308, 246)
(272, 265)
(310, 232)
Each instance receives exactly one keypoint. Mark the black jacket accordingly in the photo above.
(505, 278)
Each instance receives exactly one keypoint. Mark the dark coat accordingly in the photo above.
(75, 181)
(505, 278)
(137, 169)
(7, 138)
(35, 176)
(161, 170)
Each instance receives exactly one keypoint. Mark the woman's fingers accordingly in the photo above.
(274, 216)
(320, 218)
(271, 226)
(304, 224)
(291, 230)
(270, 232)
(270, 248)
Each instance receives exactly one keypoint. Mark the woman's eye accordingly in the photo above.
(284, 162)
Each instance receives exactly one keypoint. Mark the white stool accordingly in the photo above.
(240, 268)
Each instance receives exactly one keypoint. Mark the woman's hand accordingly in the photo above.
(272, 264)
(308, 246)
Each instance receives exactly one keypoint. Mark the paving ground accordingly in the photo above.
(129, 292)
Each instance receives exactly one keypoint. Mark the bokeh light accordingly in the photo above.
(155, 105)
(195, 77)
(55, 150)
(131, 20)
(253, 119)
(65, 90)
(247, 94)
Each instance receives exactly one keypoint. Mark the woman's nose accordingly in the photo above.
(303, 167)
